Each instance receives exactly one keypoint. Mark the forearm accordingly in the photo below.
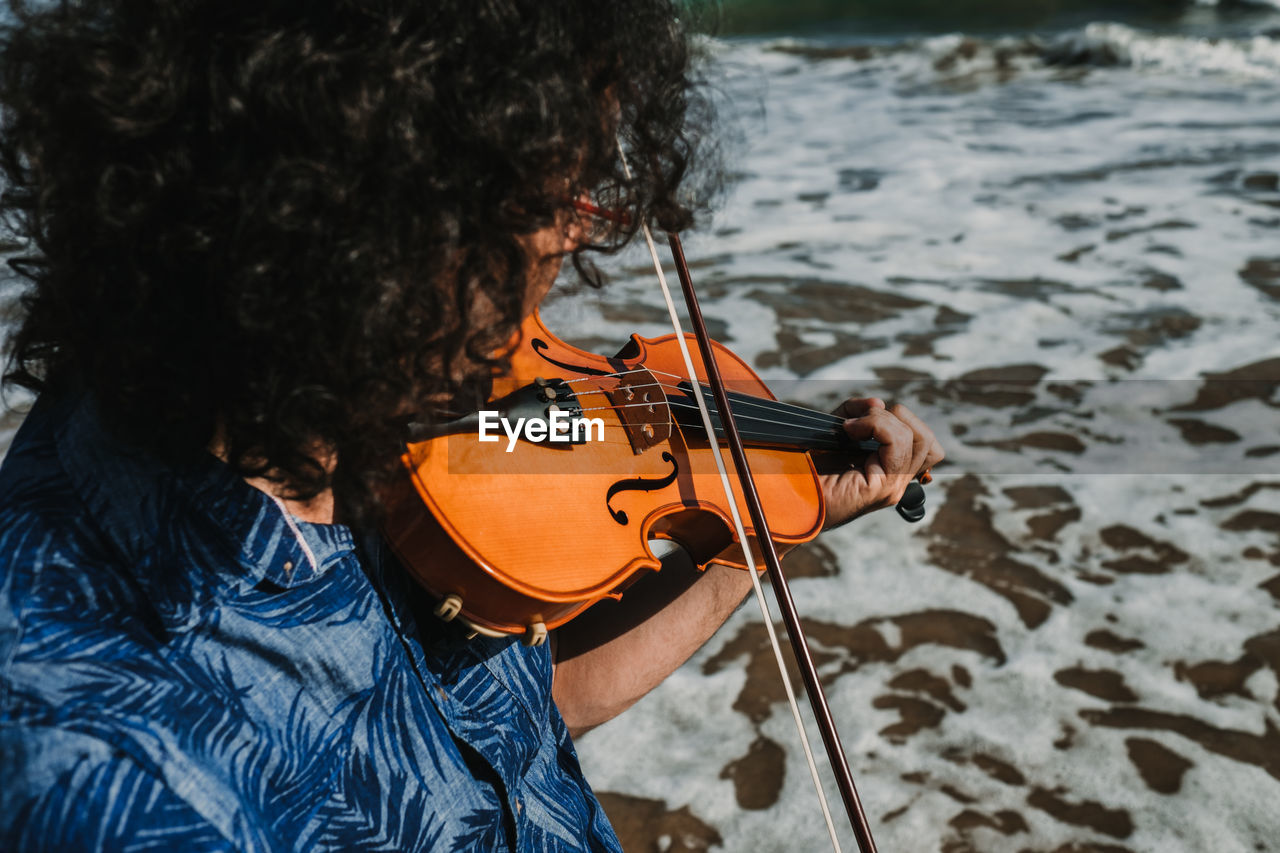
(618, 651)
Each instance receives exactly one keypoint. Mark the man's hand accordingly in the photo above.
(908, 448)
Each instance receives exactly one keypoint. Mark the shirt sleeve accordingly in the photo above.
(68, 792)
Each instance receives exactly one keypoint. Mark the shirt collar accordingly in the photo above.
(147, 505)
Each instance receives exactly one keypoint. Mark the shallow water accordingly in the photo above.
(1063, 253)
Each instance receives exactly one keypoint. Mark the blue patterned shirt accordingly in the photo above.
(184, 667)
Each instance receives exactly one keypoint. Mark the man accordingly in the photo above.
(263, 238)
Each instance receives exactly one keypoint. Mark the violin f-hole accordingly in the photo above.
(640, 484)
(538, 345)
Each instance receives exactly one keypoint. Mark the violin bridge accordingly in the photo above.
(642, 407)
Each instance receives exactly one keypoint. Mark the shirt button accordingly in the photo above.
(519, 805)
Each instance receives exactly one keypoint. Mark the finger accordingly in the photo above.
(895, 438)
(856, 407)
(920, 438)
(890, 468)
(880, 480)
(936, 451)
(873, 468)
(927, 450)
(936, 455)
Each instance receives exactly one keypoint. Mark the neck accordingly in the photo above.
(318, 510)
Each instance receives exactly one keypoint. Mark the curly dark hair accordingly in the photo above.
(271, 223)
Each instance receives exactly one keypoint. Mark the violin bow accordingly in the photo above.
(782, 591)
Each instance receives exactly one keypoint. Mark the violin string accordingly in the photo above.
(742, 402)
(832, 443)
(805, 442)
(737, 524)
(826, 435)
(820, 422)
(823, 422)
(596, 377)
(813, 412)
(743, 399)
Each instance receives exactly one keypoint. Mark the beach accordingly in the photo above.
(1061, 250)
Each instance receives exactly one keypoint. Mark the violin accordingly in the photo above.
(648, 472)
(577, 442)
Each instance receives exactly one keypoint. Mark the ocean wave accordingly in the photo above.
(822, 18)
(1264, 4)
(1097, 45)
(1116, 44)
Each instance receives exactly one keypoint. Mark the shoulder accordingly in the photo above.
(73, 617)
(38, 498)
(51, 548)
(44, 531)
(70, 791)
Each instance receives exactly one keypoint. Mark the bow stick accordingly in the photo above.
(782, 592)
(777, 580)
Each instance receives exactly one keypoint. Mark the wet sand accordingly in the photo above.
(1071, 272)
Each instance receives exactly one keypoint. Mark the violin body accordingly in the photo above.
(517, 536)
